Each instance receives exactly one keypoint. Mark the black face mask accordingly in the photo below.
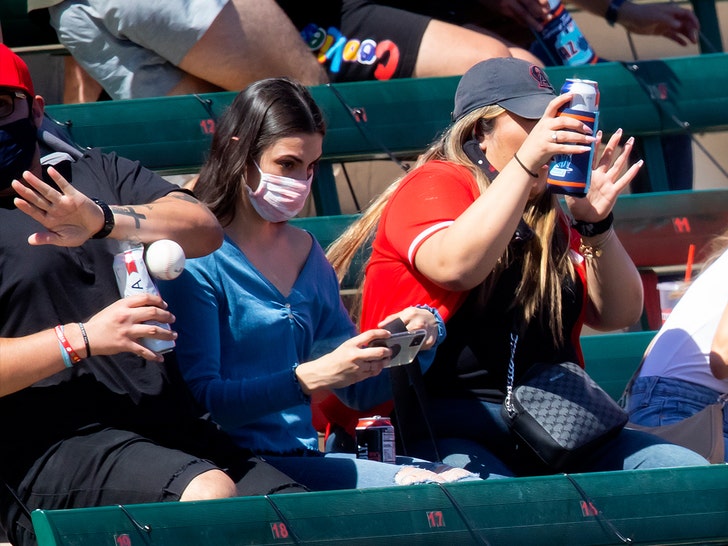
(17, 146)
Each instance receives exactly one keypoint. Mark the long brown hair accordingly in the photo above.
(546, 261)
(261, 114)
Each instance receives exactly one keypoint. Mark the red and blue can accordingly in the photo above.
(375, 439)
(570, 174)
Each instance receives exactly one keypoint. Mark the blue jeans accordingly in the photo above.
(473, 435)
(656, 401)
(331, 471)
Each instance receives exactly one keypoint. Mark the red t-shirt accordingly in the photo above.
(427, 200)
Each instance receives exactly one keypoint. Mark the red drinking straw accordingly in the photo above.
(689, 265)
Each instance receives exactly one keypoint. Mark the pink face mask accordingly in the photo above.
(279, 198)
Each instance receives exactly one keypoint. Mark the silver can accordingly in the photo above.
(133, 278)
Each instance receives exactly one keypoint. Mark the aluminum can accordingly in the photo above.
(375, 439)
(562, 40)
(570, 174)
(133, 279)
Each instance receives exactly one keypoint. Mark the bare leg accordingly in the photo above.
(78, 86)
(213, 484)
(438, 57)
(250, 40)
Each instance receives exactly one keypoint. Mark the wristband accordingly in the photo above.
(66, 359)
(108, 220)
(613, 11)
(66, 346)
(85, 339)
(589, 229)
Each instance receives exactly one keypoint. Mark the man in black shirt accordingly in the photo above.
(107, 429)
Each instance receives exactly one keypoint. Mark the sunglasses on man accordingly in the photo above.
(7, 102)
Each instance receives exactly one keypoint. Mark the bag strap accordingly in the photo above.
(508, 402)
(411, 408)
(23, 507)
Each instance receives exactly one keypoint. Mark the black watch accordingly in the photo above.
(108, 220)
(612, 11)
(589, 229)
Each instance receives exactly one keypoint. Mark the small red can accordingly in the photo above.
(375, 439)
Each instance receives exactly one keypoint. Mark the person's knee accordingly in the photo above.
(665, 455)
(213, 484)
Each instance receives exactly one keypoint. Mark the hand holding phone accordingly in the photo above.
(404, 346)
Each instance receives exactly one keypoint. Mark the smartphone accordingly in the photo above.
(404, 346)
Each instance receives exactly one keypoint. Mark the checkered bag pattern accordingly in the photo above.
(561, 413)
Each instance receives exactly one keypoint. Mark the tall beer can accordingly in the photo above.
(562, 40)
(375, 439)
(570, 174)
(132, 278)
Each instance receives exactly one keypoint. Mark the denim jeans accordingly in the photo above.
(473, 435)
(656, 401)
(332, 471)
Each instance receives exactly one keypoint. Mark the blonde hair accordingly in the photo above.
(546, 260)
(714, 249)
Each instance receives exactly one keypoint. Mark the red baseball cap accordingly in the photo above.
(14, 72)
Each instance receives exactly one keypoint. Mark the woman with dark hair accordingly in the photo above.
(261, 324)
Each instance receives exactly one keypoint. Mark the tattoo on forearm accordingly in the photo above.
(130, 211)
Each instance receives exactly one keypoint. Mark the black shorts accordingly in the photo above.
(110, 466)
(359, 40)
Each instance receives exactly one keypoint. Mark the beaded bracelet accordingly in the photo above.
(66, 346)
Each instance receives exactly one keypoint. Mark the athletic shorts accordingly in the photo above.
(111, 466)
(132, 47)
(363, 41)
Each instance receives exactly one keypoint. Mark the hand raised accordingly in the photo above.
(69, 216)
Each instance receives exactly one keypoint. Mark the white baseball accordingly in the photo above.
(165, 259)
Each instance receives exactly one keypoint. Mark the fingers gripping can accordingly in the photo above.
(133, 279)
(570, 174)
(375, 439)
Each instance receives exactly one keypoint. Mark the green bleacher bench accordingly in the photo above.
(659, 506)
(22, 31)
(369, 120)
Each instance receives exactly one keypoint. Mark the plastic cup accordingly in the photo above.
(670, 294)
